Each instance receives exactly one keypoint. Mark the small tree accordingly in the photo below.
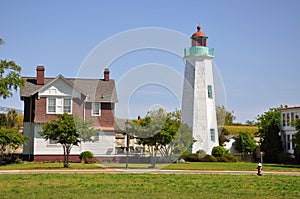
(163, 132)
(224, 117)
(245, 143)
(269, 128)
(65, 132)
(10, 137)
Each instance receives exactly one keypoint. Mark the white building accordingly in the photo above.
(198, 101)
(288, 116)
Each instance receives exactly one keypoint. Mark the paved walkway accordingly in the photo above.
(144, 171)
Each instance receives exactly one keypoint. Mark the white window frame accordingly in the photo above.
(59, 105)
(92, 111)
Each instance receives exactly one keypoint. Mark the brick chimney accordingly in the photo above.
(40, 75)
(106, 74)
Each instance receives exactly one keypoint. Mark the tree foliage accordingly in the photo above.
(68, 131)
(222, 137)
(10, 137)
(269, 128)
(10, 78)
(12, 119)
(224, 117)
(163, 132)
(245, 143)
(219, 151)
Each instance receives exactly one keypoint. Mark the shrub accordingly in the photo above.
(192, 157)
(18, 161)
(201, 153)
(227, 158)
(86, 156)
(209, 158)
(219, 151)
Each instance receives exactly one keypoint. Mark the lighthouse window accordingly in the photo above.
(209, 91)
(212, 135)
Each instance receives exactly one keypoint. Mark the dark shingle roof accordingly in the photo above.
(96, 90)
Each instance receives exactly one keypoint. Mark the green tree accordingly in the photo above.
(163, 132)
(68, 131)
(224, 117)
(222, 136)
(250, 123)
(245, 143)
(296, 140)
(268, 131)
(10, 77)
(11, 119)
(10, 137)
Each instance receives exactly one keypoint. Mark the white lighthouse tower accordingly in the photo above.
(198, 100)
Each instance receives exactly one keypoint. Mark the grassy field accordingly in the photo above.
(148, 186)
(40, 165)
(235, 130)
(239, 166)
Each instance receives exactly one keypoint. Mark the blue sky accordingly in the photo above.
(256, 44)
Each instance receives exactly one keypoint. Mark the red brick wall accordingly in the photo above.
(77, 107)
(107, 115)
(40, 111)
(105, 120)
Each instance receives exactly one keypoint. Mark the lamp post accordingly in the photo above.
(127, 142)
(262, 153)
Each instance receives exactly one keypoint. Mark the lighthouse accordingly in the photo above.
(198, 100)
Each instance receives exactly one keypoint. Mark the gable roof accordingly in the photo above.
(96, 90)
(59, 77)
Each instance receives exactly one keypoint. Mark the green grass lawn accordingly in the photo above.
(148, 186)
(238, 166)
(40, 165)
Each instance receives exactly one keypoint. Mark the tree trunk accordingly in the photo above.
(154, 161)
(67, 149)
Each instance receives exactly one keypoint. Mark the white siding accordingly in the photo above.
(101, 147)
(59, 88)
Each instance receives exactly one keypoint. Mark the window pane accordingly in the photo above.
(212, 135)
(209, 90)
(51, 105)
(96, 109)
(67, 105)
